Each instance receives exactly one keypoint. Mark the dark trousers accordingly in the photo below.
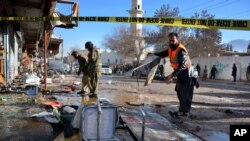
(185, 95)
(212, 76)
(234, 76)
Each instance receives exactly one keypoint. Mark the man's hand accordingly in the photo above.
(150, 54)
(169, 79)
(78, 73)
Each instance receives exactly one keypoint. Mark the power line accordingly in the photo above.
(190, 8)
(211, 5)
(239, 14)
(223, 5)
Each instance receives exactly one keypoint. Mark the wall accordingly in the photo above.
(16, 61)
(224, 65)
(113, 58)
(11, 61)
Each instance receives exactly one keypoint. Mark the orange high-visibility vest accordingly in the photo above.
(173, 56)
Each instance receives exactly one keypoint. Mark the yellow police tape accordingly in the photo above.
(182, 22)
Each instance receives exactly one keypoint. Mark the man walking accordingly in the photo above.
(94, 68)
(248, 73)
(234, 72)
(181, 63)
(82, 69)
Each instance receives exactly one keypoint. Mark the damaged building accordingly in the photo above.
(22, 42)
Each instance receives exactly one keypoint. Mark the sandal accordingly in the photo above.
(178, 114)
(174, 114)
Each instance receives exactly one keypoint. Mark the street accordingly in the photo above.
(216, 105)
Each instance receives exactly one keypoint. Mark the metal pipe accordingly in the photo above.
(6, 48)
(98, 118)
(65, 1)
(143, 124)
(45, 62)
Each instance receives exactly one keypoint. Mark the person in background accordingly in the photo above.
(82, 69)
(213, 72)
(198, 68)
(205, 73)
(234, 72)
(94, 68)
(248, 73)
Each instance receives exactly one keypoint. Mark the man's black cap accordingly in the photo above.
(89, 44)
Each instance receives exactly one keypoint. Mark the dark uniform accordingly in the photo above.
(94, 68)
(248, 73)
(234, 72)
(213, 72)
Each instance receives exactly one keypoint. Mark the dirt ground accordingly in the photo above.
(216, 104)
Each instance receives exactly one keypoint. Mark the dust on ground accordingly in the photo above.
(216, 105)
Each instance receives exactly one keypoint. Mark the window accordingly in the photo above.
(105, 66)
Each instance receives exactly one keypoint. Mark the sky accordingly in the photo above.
(96, 31)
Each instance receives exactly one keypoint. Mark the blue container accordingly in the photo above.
(31, 89)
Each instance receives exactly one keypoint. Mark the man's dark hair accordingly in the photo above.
(173, 34)
(74, 53)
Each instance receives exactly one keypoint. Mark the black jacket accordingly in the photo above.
(181, 73)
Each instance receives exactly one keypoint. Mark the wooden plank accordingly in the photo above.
(157, 127)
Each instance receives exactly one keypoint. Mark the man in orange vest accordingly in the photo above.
(180, 63)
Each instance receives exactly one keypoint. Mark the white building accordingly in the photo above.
(136, 11)
(111, 58)
(135, 28)
(224, 66)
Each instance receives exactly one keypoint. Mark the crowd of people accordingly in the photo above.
(214, 71)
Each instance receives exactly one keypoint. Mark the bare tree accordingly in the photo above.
(199, 42)
(124, 43)
(204, 41)
(159, 38)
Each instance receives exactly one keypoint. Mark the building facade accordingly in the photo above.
(224, 65)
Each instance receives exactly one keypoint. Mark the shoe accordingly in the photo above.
(173, 114)
(178, 115)
(93, 96)
(81, 92)
(197, 85)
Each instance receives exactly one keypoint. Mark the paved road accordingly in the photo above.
(216, 104)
